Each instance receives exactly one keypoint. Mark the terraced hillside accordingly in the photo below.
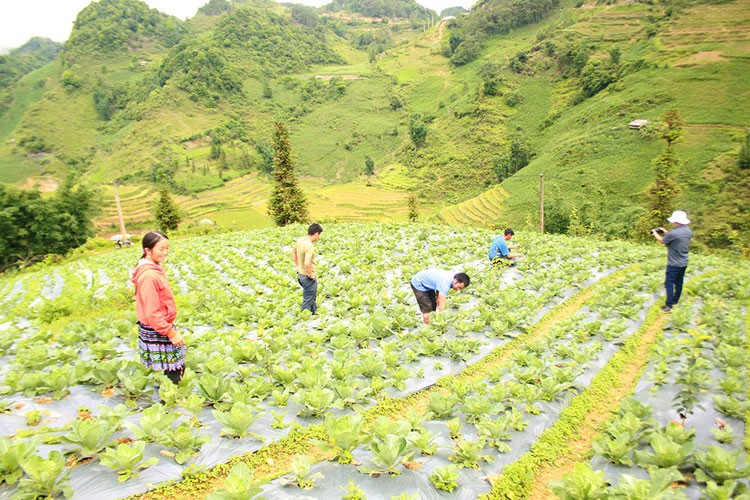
(485, 210)
(242, 203)
(561, 363)
(243, 193)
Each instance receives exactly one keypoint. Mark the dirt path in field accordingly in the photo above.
(580, 448)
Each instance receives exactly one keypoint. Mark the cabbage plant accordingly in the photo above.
(12, 452)
(237, 420)
(45, 477)
(90, 435)
(238, 485)
(126, 460)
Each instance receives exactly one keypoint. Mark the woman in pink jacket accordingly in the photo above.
(160, 346)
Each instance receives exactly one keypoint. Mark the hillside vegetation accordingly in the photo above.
(484, 102)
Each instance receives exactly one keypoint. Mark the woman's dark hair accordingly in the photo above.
(150, 240)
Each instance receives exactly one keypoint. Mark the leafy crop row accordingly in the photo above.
(259, 370)
(686, 422)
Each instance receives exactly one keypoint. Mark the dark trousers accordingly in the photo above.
(309, 292)
(673, 284)
(175, 375)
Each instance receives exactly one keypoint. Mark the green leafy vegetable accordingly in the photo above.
(91, 435)
(344, 435)
(12, 452)
(445, 477)
(582, 483)
(126, 459)
(45, 478)
(239, 485)
(237, 420)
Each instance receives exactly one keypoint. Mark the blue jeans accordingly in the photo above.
(673, 284)
(309, 292)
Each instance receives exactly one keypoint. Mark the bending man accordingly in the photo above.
(431, 288)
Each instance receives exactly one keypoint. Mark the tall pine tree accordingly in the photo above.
(664, 189)
(288, 204)
(168, 215)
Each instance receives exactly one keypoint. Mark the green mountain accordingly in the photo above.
(408, 9)
(466, 113)
(19, 62)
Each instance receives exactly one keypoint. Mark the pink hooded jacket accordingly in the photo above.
(154, 302)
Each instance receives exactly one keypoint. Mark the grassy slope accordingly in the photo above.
(14, 167)
(701, 60)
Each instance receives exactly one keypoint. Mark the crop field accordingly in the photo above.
(558, 376)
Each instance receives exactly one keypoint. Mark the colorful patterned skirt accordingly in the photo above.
(157, 351)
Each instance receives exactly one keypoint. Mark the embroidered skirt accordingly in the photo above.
(157, 351)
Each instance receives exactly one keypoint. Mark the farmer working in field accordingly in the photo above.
(431, 288)
(303, 255)
(501, 246)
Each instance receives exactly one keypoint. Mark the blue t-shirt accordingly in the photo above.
(677, 242)
(433, 279)
(498, 248)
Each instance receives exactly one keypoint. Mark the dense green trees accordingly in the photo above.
(215, 7)
(266, 152)
(412, 210)
(369, 166)
(517, 156)
(452, 11)
(288, 204)
(32, 227)
(596, 76)
(21, 61)
(408, 9)
(110, 26)
(418, 131)
(201, 69)
(491, 79)
(495, 16)
(32, 55)
(273, 44)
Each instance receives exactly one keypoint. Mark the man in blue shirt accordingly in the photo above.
(677, 242)
(499, 248)
(431, 288)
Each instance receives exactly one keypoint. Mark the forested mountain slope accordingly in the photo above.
(445, 111)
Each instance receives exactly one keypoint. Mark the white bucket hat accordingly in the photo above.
(679, 217)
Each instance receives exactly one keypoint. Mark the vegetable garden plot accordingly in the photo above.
(258, 367)
(686, 424)
(484, 423)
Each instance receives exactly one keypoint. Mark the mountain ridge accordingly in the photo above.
(562, 88)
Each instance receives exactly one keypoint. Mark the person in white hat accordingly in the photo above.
(677, 242)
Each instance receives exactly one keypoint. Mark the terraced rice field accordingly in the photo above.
(484, 210)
